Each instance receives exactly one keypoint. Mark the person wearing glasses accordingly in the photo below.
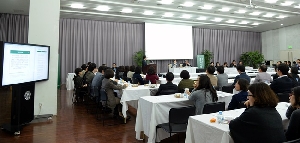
(260, 122)
(293, 113)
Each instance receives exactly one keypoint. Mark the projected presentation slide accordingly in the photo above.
(24, 63)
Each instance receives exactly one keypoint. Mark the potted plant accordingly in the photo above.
(138, 57)
(207, 57)
(253, 59)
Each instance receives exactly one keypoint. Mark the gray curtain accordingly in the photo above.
(14, 28)
(226, 45)
(83, 41)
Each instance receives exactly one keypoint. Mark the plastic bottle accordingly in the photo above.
(185, 95)
(149, 83)
(120, 81)
(128, 83)
(220, 117)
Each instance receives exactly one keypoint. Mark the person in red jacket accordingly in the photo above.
(151, 75)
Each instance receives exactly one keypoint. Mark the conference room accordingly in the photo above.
(181, 42)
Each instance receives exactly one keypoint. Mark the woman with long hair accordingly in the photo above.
(293, 113)
(203, 93)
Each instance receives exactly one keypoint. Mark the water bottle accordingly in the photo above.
(149, 83)
(128, 83)
(120, 81)
(220, 117)
(185, 95)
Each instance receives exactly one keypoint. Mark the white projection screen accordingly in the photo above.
(165, 42)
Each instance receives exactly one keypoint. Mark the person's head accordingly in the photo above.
(121, 68)
(298, 60)
(294, 70)
(132, 68)
(92, 67)
(210, 70)
(233, 61)
(295, 97)
(225, 64)
(289, 63)
(276, 68)
(262, 68)
(84, 67)
(103, 64)
(282, 69)
(220, 69)
(211, 64)
(100, 69)
(260, 94)
(204, 83)
(241, 85)
(184, 74)
(294, 62)
(144, 57)
(151, 71)
(138, 70)
(169, 76)
(186, 61)
(217, 64)
(114, 65)
(285, 62)
(279, 62)
(126, 69)
(175, 61)
(88, 63)
(78, 71)
(109, 73)
(240, 68)
(240, 62)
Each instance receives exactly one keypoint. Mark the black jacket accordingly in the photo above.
(257, 125)
(282, 85)
(169, 87)
(293, 131)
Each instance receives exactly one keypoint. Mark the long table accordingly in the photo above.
(178, 70)
(200, 130)
(154, 110)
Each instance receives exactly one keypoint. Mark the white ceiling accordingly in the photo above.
(138, 7)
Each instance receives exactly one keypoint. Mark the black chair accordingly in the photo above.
(135, 81)
(228, 88)
(283, 97)
(178, 119)
(293, 141)
(242, 105)
(167, 92)
(103, 105)
(213, 107)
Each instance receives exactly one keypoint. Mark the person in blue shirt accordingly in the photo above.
(241, 86)
(137, 75)
(241, 71)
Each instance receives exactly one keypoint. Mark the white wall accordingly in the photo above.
(275, 40)
(44, 30)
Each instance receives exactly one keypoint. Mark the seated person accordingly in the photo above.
(126, 70)
(203, 93)
(260, 122)
(217, 64)
(186, 63)
(210, 70)
(109, 87)
(293, 113)
(283, 84)
(137, 75)
(222, 77)
(174, 64)
(225, 65)
(240, 63)
(278, 63)
(242, 86)
(84, 69)
(151, 75)
(186, 82)
(275, 76)
(262, 76)
(233, 64)
(241, 71)
(89, 75)
(211, 64)
(169, 87)
(79, 86)
(97, 81)
(131, 72)
(294, 74)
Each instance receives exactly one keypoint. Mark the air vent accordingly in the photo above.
(199, 9)
(18, 11)
(159, 4)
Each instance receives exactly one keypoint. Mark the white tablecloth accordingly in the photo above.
(154, 110)
(201, 130)
(178, 70)
(175, 80)
(69, 81)
(133, 94)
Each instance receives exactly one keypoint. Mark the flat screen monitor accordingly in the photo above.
(23, 63)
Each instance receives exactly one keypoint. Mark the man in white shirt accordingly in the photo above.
(262, 76)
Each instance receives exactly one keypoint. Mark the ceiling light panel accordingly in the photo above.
(287, 3)
(230, 21)
(297, 6)
(224, 9)
(206, 6)
(281, 16)
(269, 15)
(126, 10)
(165, 1)
(255, 23)
(168, 14)
(241, 11)
(244, 22)
(188, 4)
(271, 1)
(148, 12)
(255, 13)
(217, 19)
(103, 8)
(202, 18)
(186, 16)
(77, 5)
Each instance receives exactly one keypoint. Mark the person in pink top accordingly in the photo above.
(151, 75)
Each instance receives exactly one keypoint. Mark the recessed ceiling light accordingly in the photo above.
(148, 12)
(281, 16)
(168, 14)
(188, 4)
(297, 6)
(244, 22)
(126, 10)
(77, 5)
(287, 3)
(241, 11)
(269, 15)
(224, 9)
(271, 1)
(186, 16)
(217, 19)
(201, 18)
(230, 21)
(255, 13)
(102, 8)
(207, 6)
(281, 24)
(255, 23)
(166, 1)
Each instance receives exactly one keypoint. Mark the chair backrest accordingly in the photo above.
(103, 95)
(181, 115)
(95, 91)
(228, 88)
(135, 81)
(283, 97)
(213, 107)
(242, 105)
(168, 92)
(293, 141)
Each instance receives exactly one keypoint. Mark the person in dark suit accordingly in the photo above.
(241, 71)
(144, 62)
(114, 67)
(233, 64)
(293, 113)
(186, 63)
(283, 84)
(137, 75)
(169, 87)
